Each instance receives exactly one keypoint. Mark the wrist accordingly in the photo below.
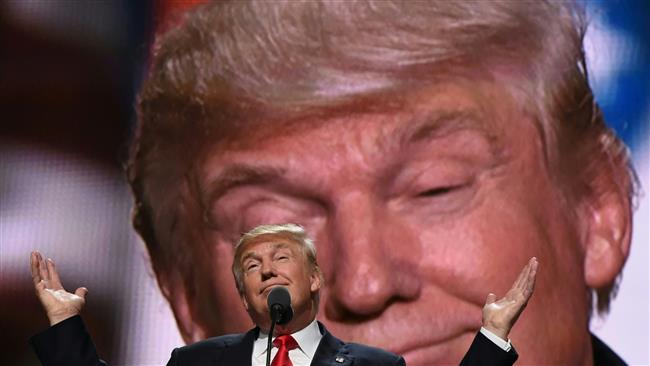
(58, 318)
(498, 331)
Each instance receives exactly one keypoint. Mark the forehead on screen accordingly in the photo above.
(411, 124)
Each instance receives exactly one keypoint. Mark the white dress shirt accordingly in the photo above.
(307, 338)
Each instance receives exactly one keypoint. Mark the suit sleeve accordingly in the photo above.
(484, 352)
(173, 358)
(67, 343)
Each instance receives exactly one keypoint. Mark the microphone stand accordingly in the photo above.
(275, 314)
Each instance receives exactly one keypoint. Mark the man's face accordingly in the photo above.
(274, 260)
(417, 214)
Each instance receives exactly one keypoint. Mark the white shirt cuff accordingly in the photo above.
(506, 346)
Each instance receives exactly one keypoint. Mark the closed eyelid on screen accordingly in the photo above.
(439, 190)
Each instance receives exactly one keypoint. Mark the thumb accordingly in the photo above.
(81, 292)
(490, 298)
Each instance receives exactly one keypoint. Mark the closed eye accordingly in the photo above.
(438, 191)
(251, 267)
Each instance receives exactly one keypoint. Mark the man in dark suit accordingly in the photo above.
(267, 257)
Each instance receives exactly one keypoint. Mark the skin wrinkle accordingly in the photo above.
(430, 127)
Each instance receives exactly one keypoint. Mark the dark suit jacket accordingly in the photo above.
(68, 343)
(237, 349)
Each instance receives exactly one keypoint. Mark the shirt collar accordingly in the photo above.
(307, 338)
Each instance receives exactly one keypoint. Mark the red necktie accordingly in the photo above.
(285, 343)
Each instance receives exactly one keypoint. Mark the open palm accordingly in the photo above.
(500, 315)
(57, 302)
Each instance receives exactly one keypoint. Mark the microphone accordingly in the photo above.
(279, 302)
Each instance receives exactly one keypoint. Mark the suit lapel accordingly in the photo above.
(239, 352)
(331, 351)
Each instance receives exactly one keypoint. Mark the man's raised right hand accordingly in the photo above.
(57, 302)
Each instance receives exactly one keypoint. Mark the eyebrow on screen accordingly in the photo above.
(443, 123)
(237, 175)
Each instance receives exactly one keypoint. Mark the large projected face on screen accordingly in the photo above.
(416, 214)
(426, 180)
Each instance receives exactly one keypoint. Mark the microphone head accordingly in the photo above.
(279, 302)
(279, 296)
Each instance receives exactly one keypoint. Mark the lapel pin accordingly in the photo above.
(339, 359)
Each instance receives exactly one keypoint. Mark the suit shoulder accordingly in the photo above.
(603, 355)
(205, 352)
(213, 343)
(373, 355)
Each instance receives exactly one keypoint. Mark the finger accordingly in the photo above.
(516, 286)
(532, 276)
(34, 264)
(490, 298)
(529, 283)
(55, 281)
(534, 265)
(519, 289)
(81, 292)
(520, 283)
(532, 269)
(42, 267)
